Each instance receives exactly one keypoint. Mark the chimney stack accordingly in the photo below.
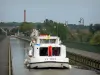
(24, 15)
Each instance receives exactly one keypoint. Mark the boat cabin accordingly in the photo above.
(47, 52)
(48, 46)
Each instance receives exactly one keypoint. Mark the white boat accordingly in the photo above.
(47, 51)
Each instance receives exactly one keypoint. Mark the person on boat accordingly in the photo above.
(55, 52)
(32, 43)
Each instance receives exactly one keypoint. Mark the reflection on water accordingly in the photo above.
(18, 54)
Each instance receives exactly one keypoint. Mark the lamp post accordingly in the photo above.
(81, 21)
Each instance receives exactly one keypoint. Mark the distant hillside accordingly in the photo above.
(11, 24)
(74, 26)
(38, 24)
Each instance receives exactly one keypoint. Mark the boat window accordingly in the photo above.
(52, 40)
(43, 51)
(44, 41)
(56, 51)
(47, 40)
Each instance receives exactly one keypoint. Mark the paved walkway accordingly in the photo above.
(84, 53)
(4, 56)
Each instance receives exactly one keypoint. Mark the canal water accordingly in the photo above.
(18, 51)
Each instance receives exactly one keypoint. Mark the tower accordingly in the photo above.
(24, 15)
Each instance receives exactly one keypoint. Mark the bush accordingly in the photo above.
(95, 39)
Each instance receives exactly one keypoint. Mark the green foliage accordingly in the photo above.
(9, 24)
(25, 27)
(95, 39)
(91, 29)
(87, 37)
(0, 31)
(94, 28)
(39, 26)
(54, 28)
(13, 31)
(62, 31)
(74, 26)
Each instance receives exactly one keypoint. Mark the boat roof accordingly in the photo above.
(48, 37)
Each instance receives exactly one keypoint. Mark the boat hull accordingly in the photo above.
(50, 64)
(47, 64)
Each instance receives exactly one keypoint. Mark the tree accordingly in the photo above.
(91, 28)
(97, 27)
(55, 29)
(0, 31)
(39, 26)
(94, 28)
(13, 31)
(62, 31)
(95, 39)
(24, 27)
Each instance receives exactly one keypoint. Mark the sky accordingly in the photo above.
(57, 10)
